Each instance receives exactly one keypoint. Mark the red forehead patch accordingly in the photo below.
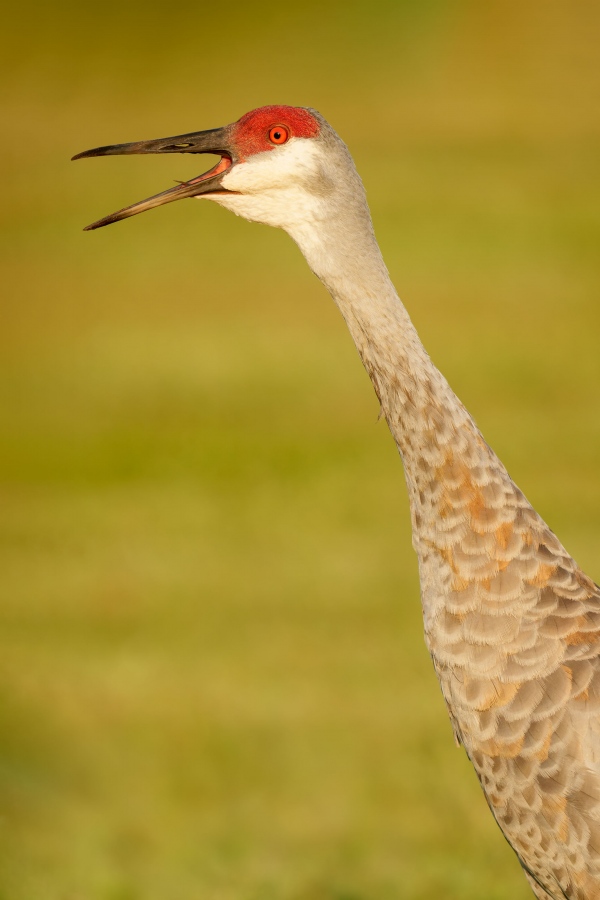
(251, 132)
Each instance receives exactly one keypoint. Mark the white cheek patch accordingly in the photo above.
(300, 160)
(284, 187)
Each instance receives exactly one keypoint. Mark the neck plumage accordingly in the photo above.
(431, 427)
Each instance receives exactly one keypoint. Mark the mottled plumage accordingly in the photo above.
(511, 621)
(513, 628)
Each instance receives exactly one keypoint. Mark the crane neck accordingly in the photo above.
(421, 409)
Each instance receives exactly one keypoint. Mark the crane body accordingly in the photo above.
(511, 621)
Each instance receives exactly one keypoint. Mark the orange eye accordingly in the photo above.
(278, 134)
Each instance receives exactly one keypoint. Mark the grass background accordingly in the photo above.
(213, 681)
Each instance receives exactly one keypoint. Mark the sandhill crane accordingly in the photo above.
(511, 622)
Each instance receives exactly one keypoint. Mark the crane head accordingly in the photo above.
(271, 169)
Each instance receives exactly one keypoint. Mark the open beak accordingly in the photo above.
(217, 140)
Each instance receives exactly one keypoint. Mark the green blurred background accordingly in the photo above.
(213, 680)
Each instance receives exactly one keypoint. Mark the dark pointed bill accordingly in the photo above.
(217, 141)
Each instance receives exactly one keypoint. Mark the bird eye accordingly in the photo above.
(278, 134)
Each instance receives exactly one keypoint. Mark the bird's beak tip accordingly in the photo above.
(84, 155)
